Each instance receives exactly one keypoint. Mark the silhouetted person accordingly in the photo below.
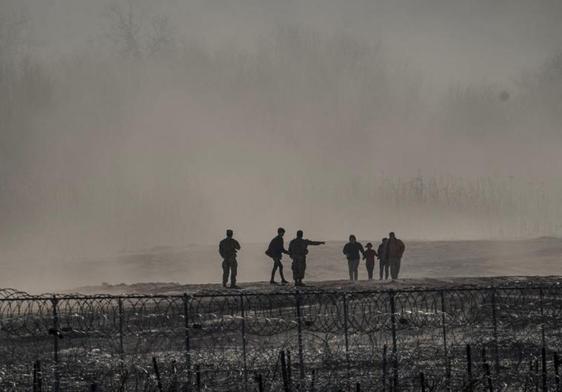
(394, 250)
(369, 256)
(298, 249)
(228, 249)
(383, 260)
(353, 250)
(275, 250)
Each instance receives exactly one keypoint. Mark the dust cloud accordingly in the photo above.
(131, 124)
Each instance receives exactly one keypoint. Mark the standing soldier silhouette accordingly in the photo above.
(383, 269)
(228, 249)
(298, 249)
(275, 250)
(394, 250)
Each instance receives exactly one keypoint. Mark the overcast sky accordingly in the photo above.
(268, 112)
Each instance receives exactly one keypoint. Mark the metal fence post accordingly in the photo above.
(284, 371)
(495, 320)
(557, 371)
(346, 338)
(445, 349)
(469, 368)
(394, 343)
(541, 298)
(243, 313)
(121, 345)
(383, 381)
(543, 341)
(55, 332)
(187, 341)
(37, 377)
(299, 338)
(422, 382)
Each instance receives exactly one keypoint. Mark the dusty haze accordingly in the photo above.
(131, 124)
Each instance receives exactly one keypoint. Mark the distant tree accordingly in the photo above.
(125, 29)
(135, 35)
(161, 39)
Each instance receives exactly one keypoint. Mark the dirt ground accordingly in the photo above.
(265, 287)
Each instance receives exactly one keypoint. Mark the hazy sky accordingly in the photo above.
(449, 41)
(192, 116)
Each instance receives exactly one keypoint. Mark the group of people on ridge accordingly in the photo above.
(389, 253)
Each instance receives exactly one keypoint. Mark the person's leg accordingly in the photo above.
(381, 269)
(303, 268)
(393, 266)
(225, 270)
(355, 269)
(398, 262)
(233, 272)
(370, 268)
(294, 269)
(283, 280)
(350, 268)
(386, 270)
(275, 266)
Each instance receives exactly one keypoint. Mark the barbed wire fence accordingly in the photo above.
(465, 339)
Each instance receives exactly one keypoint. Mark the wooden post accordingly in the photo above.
(56, 335)
(289, 370)
(37, 377)
(299, 338)
(284, 372)
(259, 380)
(244, 342)
(395, 386)
(557, 371)
(486, 368)
(469, 367)
(488, 377)
(187, 387)
(385, 348)
(422, 382)
(495, 320)
(544, 370)
(121, 345)
(346, 340)
(445, 349)
(198, 377)
(543, 340)
(157, 373)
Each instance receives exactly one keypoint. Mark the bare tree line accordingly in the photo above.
(299, 91)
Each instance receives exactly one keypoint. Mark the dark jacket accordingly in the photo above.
(370, 255)
(352, 250)
(228, 248)
(276, 248)
(381, 252)
(394, 248)
(299, 246)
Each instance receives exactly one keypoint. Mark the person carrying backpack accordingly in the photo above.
(275, 250)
